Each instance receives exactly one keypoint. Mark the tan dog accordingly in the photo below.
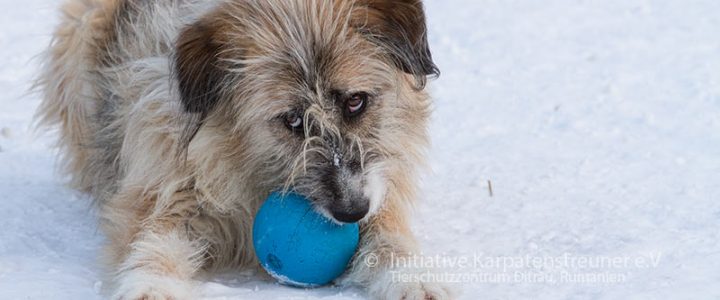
(180, 116)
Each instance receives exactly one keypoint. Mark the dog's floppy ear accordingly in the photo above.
(199, 74)
(197, 68)
(399, 26)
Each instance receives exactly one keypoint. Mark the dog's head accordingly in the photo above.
(323, 97)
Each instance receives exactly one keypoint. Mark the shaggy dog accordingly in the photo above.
(180, 116)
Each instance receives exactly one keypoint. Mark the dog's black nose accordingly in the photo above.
(351, 215)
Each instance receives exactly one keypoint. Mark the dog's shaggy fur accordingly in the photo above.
(180, 116)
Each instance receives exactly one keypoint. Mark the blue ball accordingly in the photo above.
(299, 246)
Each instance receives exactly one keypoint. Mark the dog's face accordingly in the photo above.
(319, 95)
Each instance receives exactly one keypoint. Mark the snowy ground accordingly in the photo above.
(597, 122)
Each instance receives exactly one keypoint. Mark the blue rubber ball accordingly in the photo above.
(299, 246)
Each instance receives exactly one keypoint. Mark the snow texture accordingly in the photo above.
(597, 123)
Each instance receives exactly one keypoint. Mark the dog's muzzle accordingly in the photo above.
(352, 213)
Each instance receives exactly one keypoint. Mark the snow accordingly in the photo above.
(597, 123)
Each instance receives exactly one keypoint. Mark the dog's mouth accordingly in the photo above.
(336, 191)
(338, 202)
(343, 193)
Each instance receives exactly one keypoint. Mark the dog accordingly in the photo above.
(179, 117)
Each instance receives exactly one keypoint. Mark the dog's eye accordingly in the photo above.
(294, 121)
(356, 104)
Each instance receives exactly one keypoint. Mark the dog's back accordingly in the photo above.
(104, 56)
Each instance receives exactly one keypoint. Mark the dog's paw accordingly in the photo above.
(409, 285)
(142, 286)
(417, 291)
(147, 293)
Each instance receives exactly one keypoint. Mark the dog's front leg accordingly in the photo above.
(382, 265)
(154, 255)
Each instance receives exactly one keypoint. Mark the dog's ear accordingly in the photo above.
(197, 68)
(399, 26)
(199, 74)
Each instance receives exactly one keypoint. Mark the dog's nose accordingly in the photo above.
(350, 215)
